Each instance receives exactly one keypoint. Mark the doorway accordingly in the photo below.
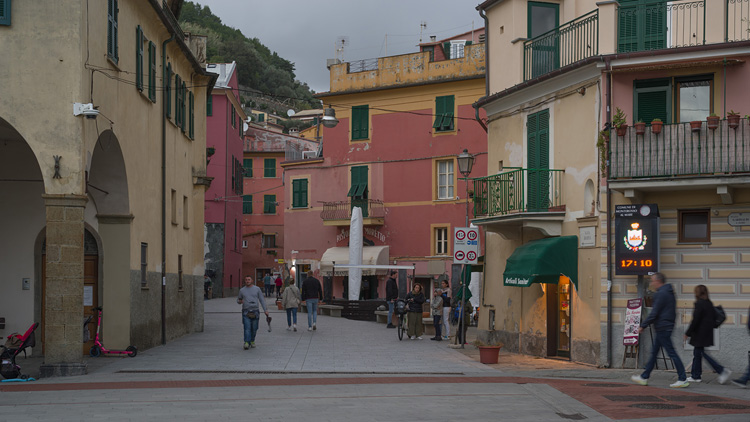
(559, 318)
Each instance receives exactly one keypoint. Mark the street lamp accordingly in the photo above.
(465, 164)
(329, 120)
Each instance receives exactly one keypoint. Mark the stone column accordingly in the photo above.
(63, 313)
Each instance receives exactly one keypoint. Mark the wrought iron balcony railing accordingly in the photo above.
(661, 24)
(518, 190)
(568, 43)
(342, 210)
(679, 150)
(737, 25)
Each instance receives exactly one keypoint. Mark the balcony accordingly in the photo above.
(660, 24)
(520, 198)
(339, 213)
(681, 157)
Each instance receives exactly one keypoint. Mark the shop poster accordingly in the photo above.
(632, 322)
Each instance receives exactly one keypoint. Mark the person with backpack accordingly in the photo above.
(290, 301)
(701, 334)
(742, 381)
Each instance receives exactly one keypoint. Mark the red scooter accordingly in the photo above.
(98, 348)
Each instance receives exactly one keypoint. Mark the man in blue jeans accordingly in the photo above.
(312, 292)
(251, 299)
(391, 294)
(663, 315)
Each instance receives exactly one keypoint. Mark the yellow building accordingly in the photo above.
(103, 158)
(558, 71)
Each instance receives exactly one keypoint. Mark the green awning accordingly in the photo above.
(543, 261)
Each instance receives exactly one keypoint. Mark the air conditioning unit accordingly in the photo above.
(482, 38)
(309, 154)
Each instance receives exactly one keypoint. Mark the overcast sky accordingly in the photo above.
(305, 31)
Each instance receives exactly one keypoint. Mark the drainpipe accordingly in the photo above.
(486, 55)
(164, 193)
(608, 97)
(476, 116)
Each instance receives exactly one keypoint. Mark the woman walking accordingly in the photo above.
(290, 301)
(414, 301)
(701, 333)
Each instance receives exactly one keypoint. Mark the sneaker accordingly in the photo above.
(412, 338)
(419, 338)
(724, 376)
(639, 380)
(390, 326)
(439, 339)
(289, 328)
(740, 383)
(252, 344)
(434, 338)
(309, 328)
(445, 337)
(295, 327)
(315, 327)
(246, 346)
(679, 384)
(691, 379)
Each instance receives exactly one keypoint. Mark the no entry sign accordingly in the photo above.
(465, 245)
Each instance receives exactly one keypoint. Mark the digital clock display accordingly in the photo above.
(636, 239)
(644, 263)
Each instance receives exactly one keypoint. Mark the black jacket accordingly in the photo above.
(701, 329)
(663, 313)
(311, 289)
(416, 304)
(391, 290)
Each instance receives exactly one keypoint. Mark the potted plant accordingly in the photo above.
(619, 121)
(712, 121)
(696, 125)
(278, 305)
(488, 353)
(656, 126)
(733, 118)
(601, 144)
(640, 127)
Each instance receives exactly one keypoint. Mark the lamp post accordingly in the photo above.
(329, 120)
(465, 164)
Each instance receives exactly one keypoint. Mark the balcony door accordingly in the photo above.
(642, 25)
(537, 149)
(545, 53)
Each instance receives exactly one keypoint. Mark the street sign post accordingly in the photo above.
(466, 245)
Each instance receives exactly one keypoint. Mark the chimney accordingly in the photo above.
(433, 38)
(293, 131)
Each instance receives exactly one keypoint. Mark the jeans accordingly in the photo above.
(391, 306)
(745, 377)
(289, 313)
(664, 339)
(436, 319)
(251, 327)
(312, 312)
(698, 355)
(447, 321)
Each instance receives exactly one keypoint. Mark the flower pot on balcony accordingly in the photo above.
(712, 122)
(640, 128)
(622, 130)
(733, 120)
(489, 355)
(696, 125)
(656, 126)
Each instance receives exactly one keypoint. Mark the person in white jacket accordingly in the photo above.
(290, 301)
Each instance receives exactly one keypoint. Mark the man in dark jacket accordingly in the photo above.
(663, 315)
(312, 292)
(391, 294)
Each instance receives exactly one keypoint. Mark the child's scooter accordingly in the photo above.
(98, 348)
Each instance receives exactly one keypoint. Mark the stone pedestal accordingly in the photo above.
(63, 313)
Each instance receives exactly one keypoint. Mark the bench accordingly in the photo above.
(330, 310)
(381, 317)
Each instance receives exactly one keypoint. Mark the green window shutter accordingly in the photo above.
(652, 100)
(269, 204)
(655, 26)
(191, 115)
(439, 112)
(269, 167)
(447, 49)
(360, 122)
(627, 29)
(177, 85)
(247, 164)
(210, 105)
(359, 182)
(184, 107)
(5, 12)
(299, 193)
(538, 161)
(152, 71)
(139, 58)
(444, 109)
(168, 90)
(116, 52)
(469, 42)
(261, 118)
(247, 204)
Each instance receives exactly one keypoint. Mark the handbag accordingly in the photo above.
(252, 314)
(721, 316)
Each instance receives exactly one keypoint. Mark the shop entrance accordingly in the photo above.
(558, 318)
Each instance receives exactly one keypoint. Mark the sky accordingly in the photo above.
(305, 32)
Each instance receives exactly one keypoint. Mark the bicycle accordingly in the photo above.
(400, 310)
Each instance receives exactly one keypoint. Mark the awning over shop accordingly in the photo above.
(543, 261)
(371, 255)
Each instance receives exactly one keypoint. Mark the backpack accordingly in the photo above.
(720, 316)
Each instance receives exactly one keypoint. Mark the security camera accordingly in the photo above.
(91, 114)
(88, 110)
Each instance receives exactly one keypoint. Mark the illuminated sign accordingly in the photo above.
(636, 239)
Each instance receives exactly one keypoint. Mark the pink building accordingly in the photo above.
(223, 214)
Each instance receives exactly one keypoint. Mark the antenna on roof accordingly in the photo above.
(422, 26)
(341, 42)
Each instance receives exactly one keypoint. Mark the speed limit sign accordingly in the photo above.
(465, 245)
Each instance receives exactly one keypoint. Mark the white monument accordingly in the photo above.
(355, 253)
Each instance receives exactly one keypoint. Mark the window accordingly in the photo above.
(542, 18)
(183, 91)
(269, 204)
(693, 100)
(443, 113)
(244, 244)
(191, 125)
(168, 90)
(269, 167)
(445, 179)
(112, 11)
(537, 191)
(139, 58)
(441, 241)
(261, 118)
(694, 226)
(210, 105)
(247, 165)
(180, 285)
(358, 191)
(234, 116)
(652, 100)
(360, 122)
(144, 263)
(5, 12)
(152, 71)
(299, 193)
(174, 206)
(185, 214)
(457, 49)
(268, 241)
(247, 204)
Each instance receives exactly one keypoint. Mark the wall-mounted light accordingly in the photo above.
(88, 110)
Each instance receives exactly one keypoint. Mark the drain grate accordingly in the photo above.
(726, 406)
(572, 416)
(605, 385)
(693, 398)
(634, 398)
(657, 406)
(191, 371)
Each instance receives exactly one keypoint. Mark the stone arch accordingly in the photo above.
(107, 181)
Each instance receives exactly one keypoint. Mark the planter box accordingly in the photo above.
(489, 354)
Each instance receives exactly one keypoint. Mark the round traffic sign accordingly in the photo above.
(459, 255)
(471, 256)
(472, 235)
(460, 235)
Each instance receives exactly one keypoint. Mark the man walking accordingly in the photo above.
(391, 295)
(312, 292)
(251, 299)
(663, 315)
(268, 284)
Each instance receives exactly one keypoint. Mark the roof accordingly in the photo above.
(225, 72)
